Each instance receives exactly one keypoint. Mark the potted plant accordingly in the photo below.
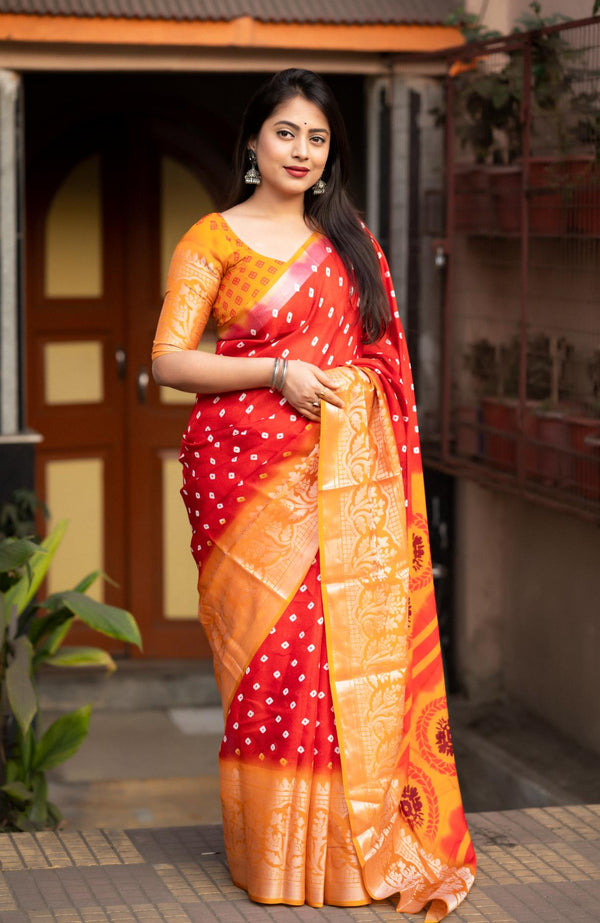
(488, 123)
(554, 460)
(499, 411)
(481, 360)
(585, 213)
(553, 177)
(487, 107)
(486, 118)
(503, 417)
(31, 636)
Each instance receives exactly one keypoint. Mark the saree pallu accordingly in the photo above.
(338, 780)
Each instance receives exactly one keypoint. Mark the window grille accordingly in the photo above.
(520, 397)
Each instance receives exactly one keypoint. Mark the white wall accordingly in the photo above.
(496, 14)
(501, 14)
(528, 609)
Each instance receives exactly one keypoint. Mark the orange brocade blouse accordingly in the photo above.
(213, 272)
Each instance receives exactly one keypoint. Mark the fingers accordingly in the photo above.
(327, 389)
(327, 394)
(325, 379)
(307, 386)
(312, 408)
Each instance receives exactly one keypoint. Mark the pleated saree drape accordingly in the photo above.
(338, 780)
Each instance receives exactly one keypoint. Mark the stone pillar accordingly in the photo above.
(378, 156)
(399, 190)
(16, 446)
(9, 271)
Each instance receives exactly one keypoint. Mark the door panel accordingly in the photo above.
(101, 231)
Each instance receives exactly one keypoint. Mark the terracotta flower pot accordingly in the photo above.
(554, 461)
(548, 180)
(472, 202)
(467, 432)
(500, 432)
(531, 436)
(505, 187)
(584, 437)
(585, 212)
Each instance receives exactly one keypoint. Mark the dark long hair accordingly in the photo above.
(333, 212)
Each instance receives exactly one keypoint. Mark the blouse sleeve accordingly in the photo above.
(194, 278)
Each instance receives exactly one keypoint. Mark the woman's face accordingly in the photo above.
(292, 147)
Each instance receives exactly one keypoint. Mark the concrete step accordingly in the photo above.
(136, 685)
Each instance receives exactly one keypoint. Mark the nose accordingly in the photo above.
(300, 151)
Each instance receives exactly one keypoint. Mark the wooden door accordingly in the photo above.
(102, 220)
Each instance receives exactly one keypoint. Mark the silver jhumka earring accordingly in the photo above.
(252, 177)
(319, 187)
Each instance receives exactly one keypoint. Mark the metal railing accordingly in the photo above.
(520, 396)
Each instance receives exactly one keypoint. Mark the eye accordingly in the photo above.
(318, 139)
(284, 133)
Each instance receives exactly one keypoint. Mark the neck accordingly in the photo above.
(275, 206)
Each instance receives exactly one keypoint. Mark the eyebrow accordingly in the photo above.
(297, 127)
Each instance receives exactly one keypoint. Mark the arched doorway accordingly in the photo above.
(106, 203)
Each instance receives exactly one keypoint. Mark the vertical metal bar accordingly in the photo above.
(523, 314)
(449, 274)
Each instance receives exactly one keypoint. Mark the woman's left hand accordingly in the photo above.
(306, 385)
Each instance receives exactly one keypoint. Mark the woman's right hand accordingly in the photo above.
(306, 385)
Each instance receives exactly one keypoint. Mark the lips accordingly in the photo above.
(298, 172)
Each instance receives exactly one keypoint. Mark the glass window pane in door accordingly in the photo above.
(73, 235)
(75, 491)
(180, 574)
(183, 201)
(73, 372)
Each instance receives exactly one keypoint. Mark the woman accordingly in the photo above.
(303, 484)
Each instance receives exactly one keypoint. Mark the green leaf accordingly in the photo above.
(109, 620)
(43, 626)
(12, 771)
(26, 751)
(21, 593)
(19, 686)
(86, 582)
(14, 553)
(62, 739)
(82, 657)
(17, 791)
(52, 642)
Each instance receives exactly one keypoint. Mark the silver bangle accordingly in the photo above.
(283, 374)
(275, 374)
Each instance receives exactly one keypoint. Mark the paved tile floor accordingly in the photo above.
(537, 864)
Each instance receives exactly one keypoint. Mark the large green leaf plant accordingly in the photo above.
(32, 635)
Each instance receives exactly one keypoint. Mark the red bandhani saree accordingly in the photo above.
(338, 779)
